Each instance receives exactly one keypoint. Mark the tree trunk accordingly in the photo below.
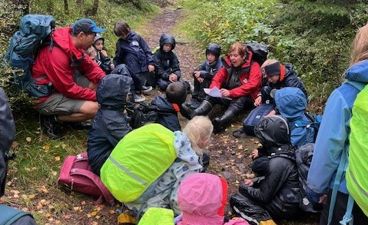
(66, 7)
(94, 8)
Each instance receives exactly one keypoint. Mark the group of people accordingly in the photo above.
(88, 85)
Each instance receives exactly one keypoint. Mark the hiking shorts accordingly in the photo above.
(58, 104)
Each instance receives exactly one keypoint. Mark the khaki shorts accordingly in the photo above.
(58, 104)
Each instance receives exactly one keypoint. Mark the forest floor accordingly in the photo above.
(32, 183)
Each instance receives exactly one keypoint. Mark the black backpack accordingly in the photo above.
(141, 114)
(259, 50)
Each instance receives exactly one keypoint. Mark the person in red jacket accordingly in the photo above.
(72, 75)
(239, 82)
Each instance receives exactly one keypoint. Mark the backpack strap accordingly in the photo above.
(10, 215)
(348, 217)
(93, 177)
(336, 185)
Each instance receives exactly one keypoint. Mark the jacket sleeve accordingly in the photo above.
(60, 73)
(159, 70)
(118, 58)
(7, 126)
(147, 50)
(219, 78)
(203, 72)
(331, 141)
(272, 183)
(176, 66)
(91, 70)
(252, 85)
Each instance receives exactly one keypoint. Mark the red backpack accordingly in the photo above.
(76, 174)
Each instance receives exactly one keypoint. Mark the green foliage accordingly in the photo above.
(314, 35)
(227, 21)
(109, 11)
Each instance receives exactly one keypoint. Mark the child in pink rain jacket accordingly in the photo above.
(202, 199)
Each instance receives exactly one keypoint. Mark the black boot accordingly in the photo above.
(220, 123)
(203, 109)
(186, 111)
(50, 126)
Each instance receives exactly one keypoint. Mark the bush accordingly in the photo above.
(315, 35)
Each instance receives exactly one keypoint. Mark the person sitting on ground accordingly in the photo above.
(102, 58)
(133, 51)
(167, 63)
(72, 76)
(110, 124)
(168, 106)
(277, 195)
(204, 74)
(291, 104)
(189, 145)
(278, 76)
(7, 136)
(239, 83)
(202, 200)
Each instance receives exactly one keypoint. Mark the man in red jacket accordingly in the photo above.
(239, 83)
(72, 75)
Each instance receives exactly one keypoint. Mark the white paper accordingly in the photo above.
(214, 92)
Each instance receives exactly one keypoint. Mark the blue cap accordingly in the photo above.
(87, 26)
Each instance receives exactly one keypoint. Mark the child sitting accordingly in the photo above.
(101, 57)
(189, 145)
(168, 106)
(277, 195)
(278, 76)
(110, 124)
(204, 74)
(202, 200)
(291, 103)
(167, 62)
(133, 51)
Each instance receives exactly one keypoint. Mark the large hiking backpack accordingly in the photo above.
(137, 161)
(11, 216)
(357, 170)
(34, 32)
(260, 51)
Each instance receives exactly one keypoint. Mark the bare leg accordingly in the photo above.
(87, 111)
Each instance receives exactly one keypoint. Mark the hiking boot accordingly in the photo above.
(139, 98)
(50, 126)
(146, 89)
(220, 123)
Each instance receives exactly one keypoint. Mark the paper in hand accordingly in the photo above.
(214, 92)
